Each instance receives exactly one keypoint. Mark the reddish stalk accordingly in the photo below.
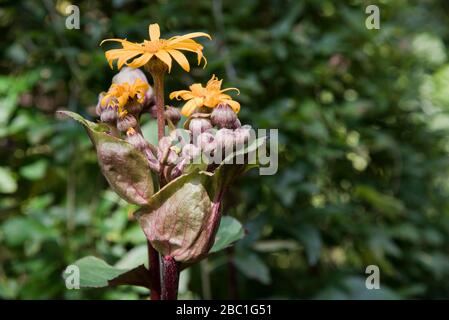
(155, 281)
(170, 278)
(157, 69)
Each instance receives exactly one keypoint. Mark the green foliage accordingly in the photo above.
(363, 128)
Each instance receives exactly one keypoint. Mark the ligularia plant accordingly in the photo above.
(178, 184)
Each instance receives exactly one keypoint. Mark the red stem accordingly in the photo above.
(155, 281)
(170, 278)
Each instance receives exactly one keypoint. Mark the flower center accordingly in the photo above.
(153, 46)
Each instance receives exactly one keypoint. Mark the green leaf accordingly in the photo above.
(180, 219)
(8, 182)
(124, 167)
(253, 267)
(96, 273)
(34, 171)
(229, 231)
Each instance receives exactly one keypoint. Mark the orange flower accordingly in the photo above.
(120, 93)
(209, 96)
(164, 50)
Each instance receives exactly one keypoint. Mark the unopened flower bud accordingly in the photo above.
(190, 151)
(199, 125)
(99, 108)
(180, 137)
(223, 116)
(166, 152)
(163, 146)
(108, 115)
(172, 157)
(206, 142)
(178, 169)
(136, 139)
(225, 139)
(172, 114)
(242, 135)
(129, 75)
(126, 122)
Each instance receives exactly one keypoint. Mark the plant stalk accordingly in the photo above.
(170, 278)
(155, 279)
(157, 71)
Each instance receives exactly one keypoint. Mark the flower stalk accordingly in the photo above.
(170, 278)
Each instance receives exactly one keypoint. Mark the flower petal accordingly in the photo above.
(227, 89)
(188, 108)
(165, 58)
(180, 58)
(140, 61)
(177, 39)
(181, 94)
(120, 54)
(154, 32)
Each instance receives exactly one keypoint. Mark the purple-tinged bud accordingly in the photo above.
(173, 157)
(163, 147)
(166, 152)
(108, 115)
(242, 135)
(136, 139)
(237, 124)
(172, 114)
(129, 75)
(223, 116)
(225, 139)
(206, 142)
(190, 151)
(178, 169)
(180, 137)
(199, 125)
(99, 108)
(126, 122)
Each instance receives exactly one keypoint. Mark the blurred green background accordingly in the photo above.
(363, 127)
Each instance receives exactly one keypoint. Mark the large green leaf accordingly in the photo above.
(124, 167)
(181, 218)
(96, 273)
(229, 231)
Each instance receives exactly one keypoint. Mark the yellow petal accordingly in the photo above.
(125, 43)
(140, 61)
(224, 90)
(181, 94)
(188, 108)
(177, 39)
(164, 57)
(154, 32)
(125, 56)
(192, 46)
(180, 58)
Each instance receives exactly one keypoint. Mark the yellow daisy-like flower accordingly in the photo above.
(119, 94)
(164, 50)
(209, 96)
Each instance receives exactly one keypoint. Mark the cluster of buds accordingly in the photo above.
(206, 138)
(122, 106)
